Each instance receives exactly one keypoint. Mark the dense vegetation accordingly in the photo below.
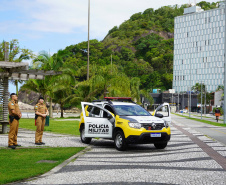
(132, 59)
(140, 47)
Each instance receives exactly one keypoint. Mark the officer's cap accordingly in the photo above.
(12, 94)
(41, 98)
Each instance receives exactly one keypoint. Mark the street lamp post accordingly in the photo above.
(205, 102)
(182, 95)
(189, 106)
(225, 64)
(88, 39)
(178, 91)
(201, 100)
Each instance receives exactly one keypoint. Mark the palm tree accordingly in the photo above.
(63, 86)
(15, 50)
(52, 87)
(104, 81)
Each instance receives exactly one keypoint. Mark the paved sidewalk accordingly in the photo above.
(208, 117)
(182, 162)
(26, 138)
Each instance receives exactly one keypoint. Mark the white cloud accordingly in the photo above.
(68, 16)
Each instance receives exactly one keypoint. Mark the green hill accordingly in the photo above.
(140, 47)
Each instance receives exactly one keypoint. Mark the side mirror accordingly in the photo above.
(159, 115)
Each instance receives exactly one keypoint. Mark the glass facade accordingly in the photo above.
(199, 50)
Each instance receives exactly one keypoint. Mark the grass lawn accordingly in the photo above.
(20, 164)
(55, 125)
(204, 121)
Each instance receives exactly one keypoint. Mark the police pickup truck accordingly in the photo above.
(125, 122)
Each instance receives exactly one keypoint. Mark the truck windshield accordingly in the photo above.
(131, 110)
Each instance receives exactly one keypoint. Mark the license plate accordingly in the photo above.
(155, 134)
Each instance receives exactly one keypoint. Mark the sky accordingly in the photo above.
(51, 25)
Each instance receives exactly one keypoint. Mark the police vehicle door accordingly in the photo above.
(164, 109)
(98, 121)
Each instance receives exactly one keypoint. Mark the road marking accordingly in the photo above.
(218, 131)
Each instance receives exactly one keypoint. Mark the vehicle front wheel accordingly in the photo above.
(160, 145)
(83, 138)
(120, 141)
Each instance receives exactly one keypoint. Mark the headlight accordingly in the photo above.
(135, 125)
(166, 124)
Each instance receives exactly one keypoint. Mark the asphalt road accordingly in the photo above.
(217, 133)
(190, 158)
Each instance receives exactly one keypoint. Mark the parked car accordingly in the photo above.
(125, 122)
(184, 111)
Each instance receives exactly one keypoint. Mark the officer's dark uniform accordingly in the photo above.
(13, 122)
(40, 122)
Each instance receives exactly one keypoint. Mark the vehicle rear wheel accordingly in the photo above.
(160, 145)
(120, 141)
(83, 138)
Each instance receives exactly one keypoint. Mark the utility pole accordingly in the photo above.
(201, 100)
(188, 101)
(205, 101)
(190, 93)
(88, 39)
(225, 65)
(182, 95)
(178, 92)
(182, 107)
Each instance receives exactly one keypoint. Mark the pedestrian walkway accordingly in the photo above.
(26, 138)
(207, 117)
(182, 162)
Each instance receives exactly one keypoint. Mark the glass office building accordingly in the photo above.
(199, 48)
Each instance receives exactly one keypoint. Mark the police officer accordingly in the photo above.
(41, 112)
(14, 116)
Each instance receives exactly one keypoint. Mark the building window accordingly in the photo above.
(182, 62)
(187, 34)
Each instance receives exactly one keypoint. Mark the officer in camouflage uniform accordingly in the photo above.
(14, 116)
(41, 112)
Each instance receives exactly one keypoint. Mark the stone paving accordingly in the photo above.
(182, 162)
(26, 138)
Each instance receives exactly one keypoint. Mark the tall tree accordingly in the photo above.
(16, 54)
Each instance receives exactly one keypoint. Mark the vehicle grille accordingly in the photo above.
(153, 126)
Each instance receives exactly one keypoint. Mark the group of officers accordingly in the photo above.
(41, 112)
